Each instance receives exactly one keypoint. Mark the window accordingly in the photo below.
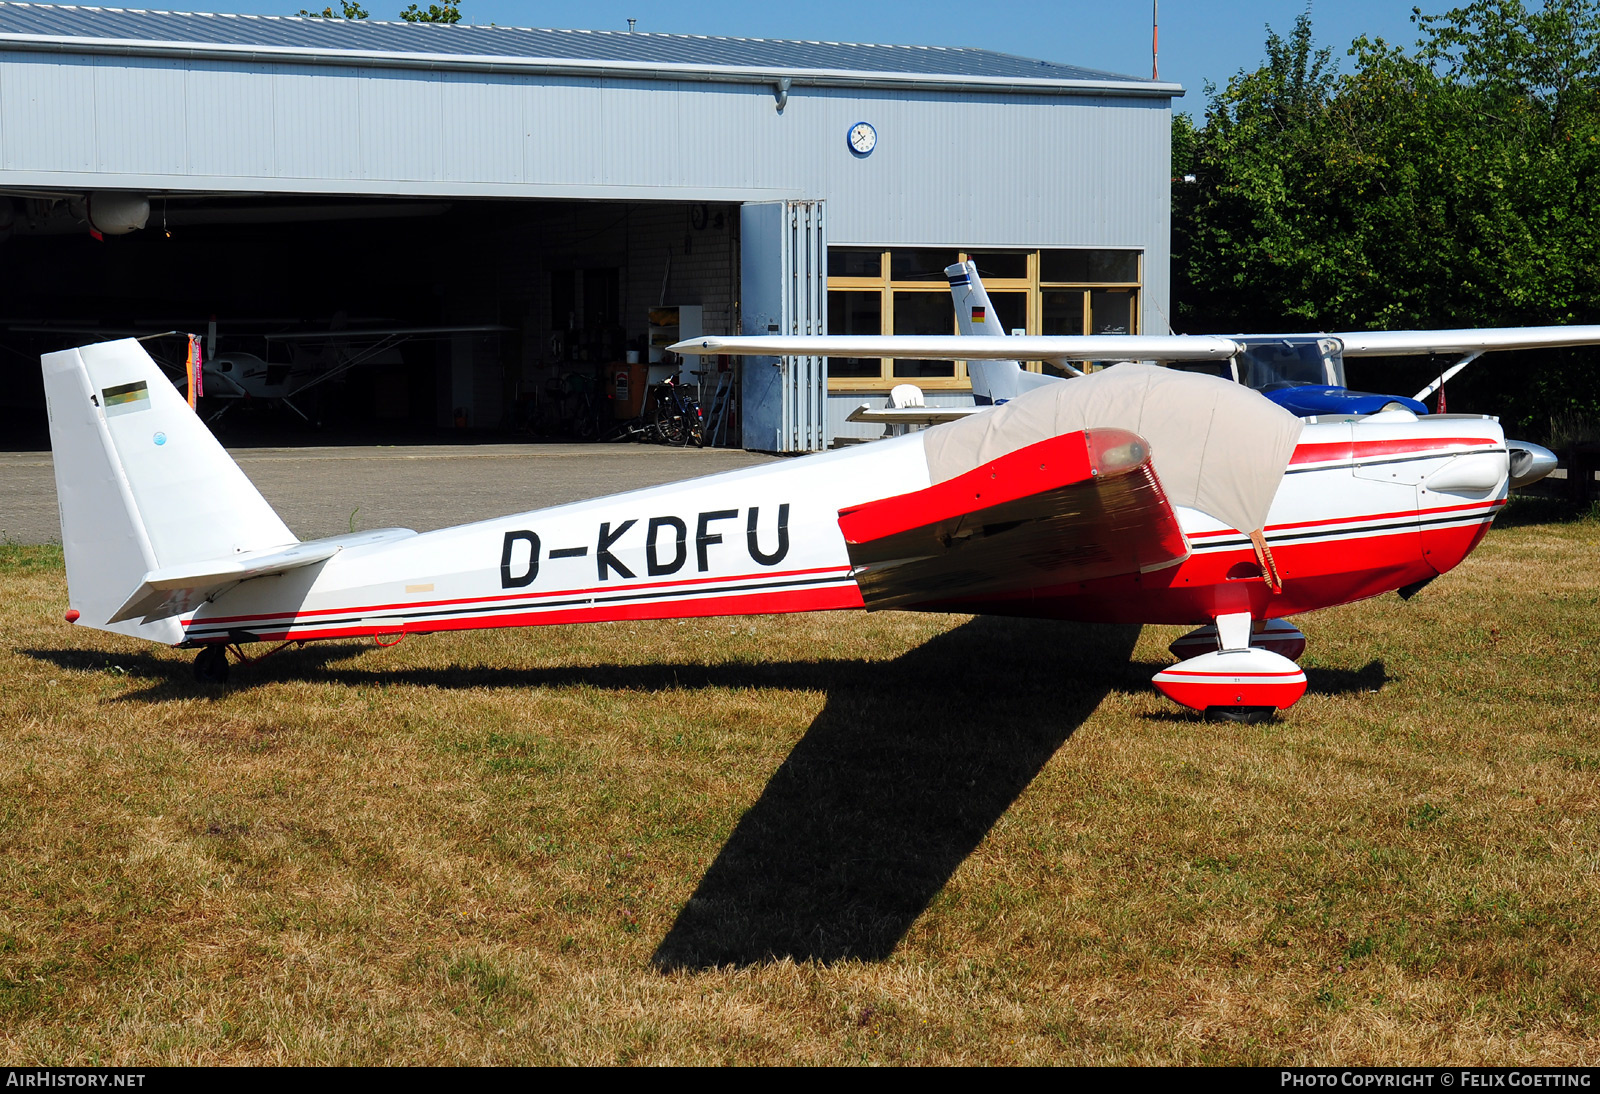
(1111, 311)
(853, 311)
(1010, 307)
(847, 262)
(923, 313)
(1089, 266)
(1063, 311)
(921, 265)
(1002, 264)
(904, 291)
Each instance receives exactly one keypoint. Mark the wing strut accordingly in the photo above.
(1446, 375)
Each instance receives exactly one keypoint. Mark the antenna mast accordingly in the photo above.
(1155, 38)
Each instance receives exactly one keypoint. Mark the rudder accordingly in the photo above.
(141, 482)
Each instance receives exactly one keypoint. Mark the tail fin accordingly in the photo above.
(992, 381)
(974, 313)
(142, 483)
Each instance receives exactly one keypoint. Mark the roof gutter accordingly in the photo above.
(633, 70)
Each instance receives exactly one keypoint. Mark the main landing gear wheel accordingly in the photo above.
(1243, 715)
(211, 666)
(1238, 681)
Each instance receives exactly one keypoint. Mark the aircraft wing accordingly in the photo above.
(356, 334)
(1019, 347)
(1385, 343)
(910, 415)
(1074, 507)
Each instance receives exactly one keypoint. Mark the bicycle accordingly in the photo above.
(574, 405)
(675, 417)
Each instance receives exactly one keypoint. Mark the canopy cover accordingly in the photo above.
(1216, 446)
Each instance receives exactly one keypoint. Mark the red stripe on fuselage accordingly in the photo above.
(1419, 514)
(1332, 451)
(416, 604)
(799, 600)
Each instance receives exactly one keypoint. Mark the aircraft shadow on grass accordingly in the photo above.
(898, 779)
(171, 678)
(908, 766)
(1370, 677)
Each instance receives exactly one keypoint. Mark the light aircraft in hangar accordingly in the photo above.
(301, 360)
(314, 358)
(1138, 495)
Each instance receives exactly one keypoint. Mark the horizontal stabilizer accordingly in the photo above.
(910, 415)
(173, 590)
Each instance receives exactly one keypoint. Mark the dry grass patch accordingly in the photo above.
(831, 838)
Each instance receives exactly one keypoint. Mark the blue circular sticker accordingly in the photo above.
(161, 438)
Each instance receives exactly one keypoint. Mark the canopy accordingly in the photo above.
(1216, 446)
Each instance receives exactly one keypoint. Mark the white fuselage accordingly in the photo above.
(1352, 517)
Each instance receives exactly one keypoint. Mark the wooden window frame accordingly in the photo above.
(1031, 285)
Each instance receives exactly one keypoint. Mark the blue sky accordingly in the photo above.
(1199, 41)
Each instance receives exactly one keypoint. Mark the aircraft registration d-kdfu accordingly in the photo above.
(1136, 494)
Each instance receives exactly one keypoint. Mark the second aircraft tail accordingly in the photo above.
(993, 382)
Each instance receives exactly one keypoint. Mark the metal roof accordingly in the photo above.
(75, 29)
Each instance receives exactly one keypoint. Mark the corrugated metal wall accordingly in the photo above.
(959, 169)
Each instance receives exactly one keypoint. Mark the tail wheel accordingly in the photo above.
(211, 666)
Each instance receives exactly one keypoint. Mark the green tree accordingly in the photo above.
(350, 11)
(1456, 184)
(1243, 226)
(447, 12)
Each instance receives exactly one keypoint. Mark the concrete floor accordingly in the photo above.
(316, 490)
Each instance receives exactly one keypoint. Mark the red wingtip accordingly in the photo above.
(72, 615)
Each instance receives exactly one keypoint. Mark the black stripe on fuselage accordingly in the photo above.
(1344, 531)
(200, 630)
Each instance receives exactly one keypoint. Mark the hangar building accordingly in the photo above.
(556, 199)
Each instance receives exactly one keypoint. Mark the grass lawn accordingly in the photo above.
(832, 838)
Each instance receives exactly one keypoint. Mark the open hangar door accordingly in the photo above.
(348, 320)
